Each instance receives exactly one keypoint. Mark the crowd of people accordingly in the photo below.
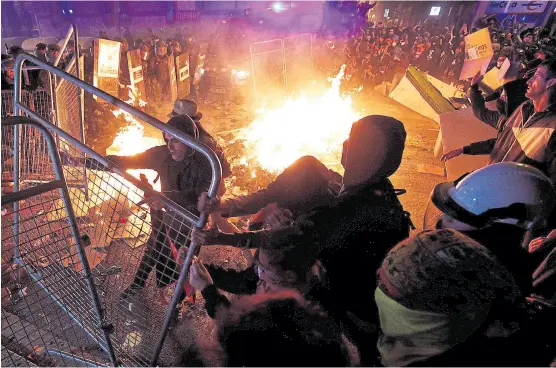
(337, 277)
(382, 53)
(154, 53)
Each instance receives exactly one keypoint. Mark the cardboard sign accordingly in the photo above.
(136, 73)
(458, 129)
(182, 70)
(494, 79)
(478, 53)
(107, 66)
(203, 48)
(491, 80)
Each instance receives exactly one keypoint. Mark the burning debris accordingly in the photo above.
(302, 126)
(315, 125)
(130, 140)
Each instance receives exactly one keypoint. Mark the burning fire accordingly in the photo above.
(130, 139)
(302, 126)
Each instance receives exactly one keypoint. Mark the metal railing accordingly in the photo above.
(282, 65)
(58, 102)
(69, 97)
(122, 234)
(37, 249)
(268, 66)
(39, 101)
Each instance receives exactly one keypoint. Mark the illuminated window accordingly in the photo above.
(435, 10)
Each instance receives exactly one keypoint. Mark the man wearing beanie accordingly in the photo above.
(445, 300)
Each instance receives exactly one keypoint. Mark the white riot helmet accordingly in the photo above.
(505, 192)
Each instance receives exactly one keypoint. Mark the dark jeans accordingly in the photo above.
(159, 255)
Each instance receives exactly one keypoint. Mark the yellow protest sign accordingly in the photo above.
(478, 53)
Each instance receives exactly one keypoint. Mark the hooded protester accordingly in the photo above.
(500, 206)
(372, 221)
(445, 300)
(304, 185)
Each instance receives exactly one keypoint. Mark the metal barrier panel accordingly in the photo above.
(48, 299)
(298, 60)
(8, 101)
(130, 245)
(126, 243)
(68, 103)
(43, 103)
(34, 154)
(267, 62)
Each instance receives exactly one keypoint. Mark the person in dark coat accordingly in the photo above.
(184, 174)
(359, 227)
(189, 108)
(279, 329)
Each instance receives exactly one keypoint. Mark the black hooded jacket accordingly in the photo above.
(357, 229)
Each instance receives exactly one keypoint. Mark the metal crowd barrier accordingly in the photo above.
(31, 172)
(268, 66)
(50, 305)
(69, 97)
(58, 102)
(281, 64)
(116, 232)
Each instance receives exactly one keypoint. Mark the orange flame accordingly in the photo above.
(302, 126)
(130, 140)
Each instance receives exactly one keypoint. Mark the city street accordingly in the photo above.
(220, 118)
